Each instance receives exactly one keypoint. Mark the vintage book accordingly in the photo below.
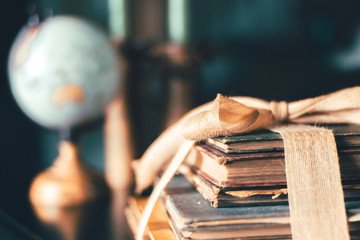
(158, 227)
(257, 168)
(248, 196)
(192, 217)
(265, 140)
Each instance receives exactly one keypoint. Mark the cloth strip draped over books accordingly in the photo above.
(228, 175)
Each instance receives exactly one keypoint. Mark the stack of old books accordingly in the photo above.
(235, 187)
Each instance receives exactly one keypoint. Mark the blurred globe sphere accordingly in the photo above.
(63, 72)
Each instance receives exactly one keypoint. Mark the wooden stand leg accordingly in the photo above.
(67, 182)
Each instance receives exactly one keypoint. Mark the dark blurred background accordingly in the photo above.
(272, 49)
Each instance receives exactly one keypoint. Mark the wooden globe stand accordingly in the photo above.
(67, 182)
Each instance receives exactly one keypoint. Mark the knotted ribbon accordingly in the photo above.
(244, 114)
(226, 116)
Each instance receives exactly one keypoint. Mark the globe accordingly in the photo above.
(63, 71)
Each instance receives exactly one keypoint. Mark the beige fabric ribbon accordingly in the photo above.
(242, 114)
(315, 194)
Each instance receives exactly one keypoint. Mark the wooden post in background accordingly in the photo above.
(177, 53)
(118, 146)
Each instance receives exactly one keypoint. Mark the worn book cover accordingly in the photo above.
(248, 196)
(265, 140)
(257, 168)
(192, 217)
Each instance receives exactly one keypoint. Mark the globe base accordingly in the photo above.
(67, 182)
